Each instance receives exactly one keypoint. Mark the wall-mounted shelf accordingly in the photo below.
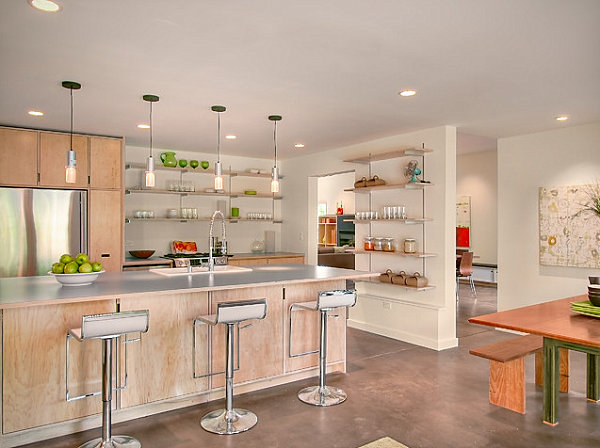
(200, 193)
(411, 288)
(176, 169)
(406, 186)
(231, 220)
(396, 252)
(402, 152)
(408, 221)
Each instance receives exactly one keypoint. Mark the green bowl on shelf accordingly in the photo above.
(194, 164)
(182, 163)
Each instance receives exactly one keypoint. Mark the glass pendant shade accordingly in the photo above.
(71, 166)
(150, 178)
(274, 180)
(218, 176)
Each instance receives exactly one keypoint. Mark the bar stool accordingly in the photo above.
(232, 420)
(323, 395)
(108, 327)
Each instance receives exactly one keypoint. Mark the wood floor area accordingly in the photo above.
(417, 396)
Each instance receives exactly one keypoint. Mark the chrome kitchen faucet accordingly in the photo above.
(211, 260)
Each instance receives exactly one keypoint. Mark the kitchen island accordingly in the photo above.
(37, 313)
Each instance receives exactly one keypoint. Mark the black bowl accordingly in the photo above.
(595, 300)
(594, 280)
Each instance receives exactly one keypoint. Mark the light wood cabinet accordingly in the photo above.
(260, 351)
(247, 261)
(53, 158)
(306, 324)
(284, 260)
(106, 163)
(161, 365)
(18, 157)
(105, 228)
(33, 365)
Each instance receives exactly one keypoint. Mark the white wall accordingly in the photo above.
(477, 177)
(426, 318)
(568, 156)
(331, 191)
(159, 235)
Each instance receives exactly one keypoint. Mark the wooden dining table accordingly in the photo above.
(561, 328)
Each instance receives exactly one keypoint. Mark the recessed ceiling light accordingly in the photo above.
(143, 126)
(35, 113)
(45, 5)
(299, 145)
(562, 118)
(231, 137)
(408, 92)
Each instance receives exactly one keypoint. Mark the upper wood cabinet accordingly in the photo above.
(106, 163)
(18, 157)
(53, 158)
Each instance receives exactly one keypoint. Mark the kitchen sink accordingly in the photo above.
(170, 272)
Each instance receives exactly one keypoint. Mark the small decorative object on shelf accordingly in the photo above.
(412, 170)
(194, 164)
(182, 163)
(204, 164)
(340, 209)
(168, 159)
(410, 245)
(375, 181)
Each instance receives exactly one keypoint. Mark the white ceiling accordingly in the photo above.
(332, 68)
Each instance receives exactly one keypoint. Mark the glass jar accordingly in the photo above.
(368, 243)
(378, 244)
(388, 245)
(410, 245)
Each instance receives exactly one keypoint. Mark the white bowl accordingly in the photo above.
(78, 279)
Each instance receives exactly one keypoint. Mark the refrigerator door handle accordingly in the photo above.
(84, 222)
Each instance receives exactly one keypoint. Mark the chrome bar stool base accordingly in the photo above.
(322, 396)
(113, 442)
(239, 420)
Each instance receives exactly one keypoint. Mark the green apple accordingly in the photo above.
(85, 268)
(81, 259)
(71, 267)
(65, 258)
(58, 268)
(96, 267)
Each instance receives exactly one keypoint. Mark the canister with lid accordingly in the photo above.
(378, 244)
(410, 245)
(388, 245)
(368, 243)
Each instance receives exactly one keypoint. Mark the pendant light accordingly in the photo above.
(71, 166)
(150, 177)
(274, 173)
(218, 168)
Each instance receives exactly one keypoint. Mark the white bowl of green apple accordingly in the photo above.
(76, 271)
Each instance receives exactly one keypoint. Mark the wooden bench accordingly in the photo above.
(507, 369)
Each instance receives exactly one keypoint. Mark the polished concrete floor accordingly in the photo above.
(417, 396)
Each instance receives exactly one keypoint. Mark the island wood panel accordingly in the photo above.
(306, 326)
(106, 228)
(106, 162)
(18, 157)
(260, 344)
(283, 260)
(160, 365)
(33, 359)
(53, 158)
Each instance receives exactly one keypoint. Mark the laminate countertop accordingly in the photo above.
(18, 292)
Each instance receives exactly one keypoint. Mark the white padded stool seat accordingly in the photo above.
(236, 312)
(111, 325)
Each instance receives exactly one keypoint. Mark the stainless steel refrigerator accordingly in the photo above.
(37, 226)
